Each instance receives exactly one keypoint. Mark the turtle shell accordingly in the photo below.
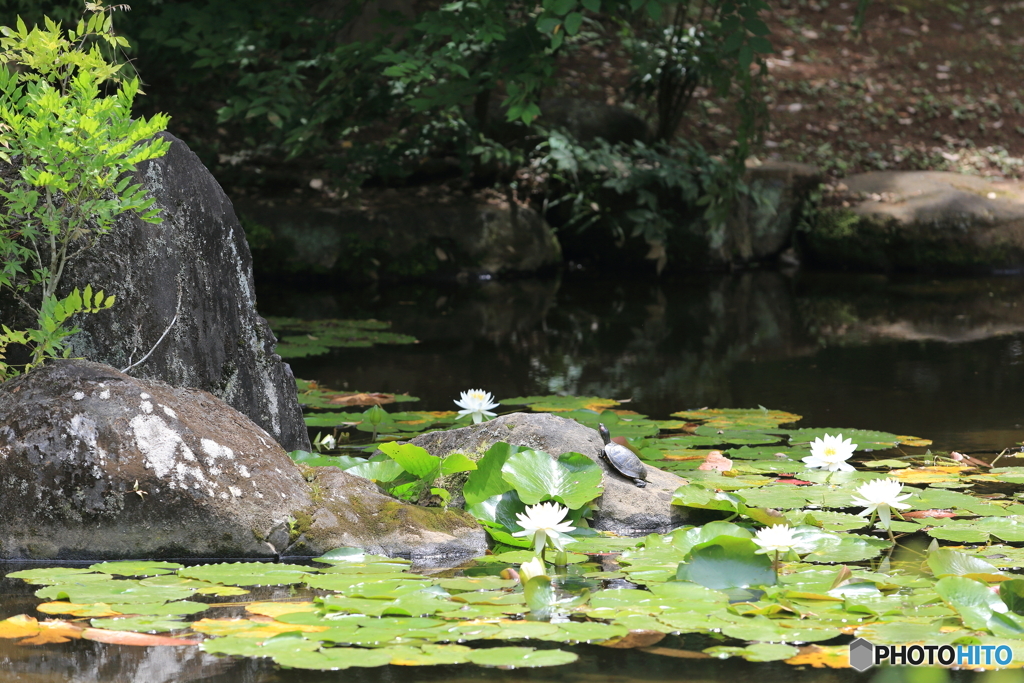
(625, 461)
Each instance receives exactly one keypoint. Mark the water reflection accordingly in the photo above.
(935, 358)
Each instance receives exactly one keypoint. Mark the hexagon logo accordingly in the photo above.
(862, 654)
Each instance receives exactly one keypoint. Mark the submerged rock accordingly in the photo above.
(623, 507)
(95, 464)
(194, 265)
(922, 221)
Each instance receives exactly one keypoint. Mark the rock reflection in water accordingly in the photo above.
(935, 358)
(88, 662)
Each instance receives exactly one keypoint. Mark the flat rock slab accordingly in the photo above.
(95, 464)
(923, 220)
(623, 508)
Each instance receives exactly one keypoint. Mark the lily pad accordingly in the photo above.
(136, 568)
(740, 418)
(727, 562)
(147, 624)
(248, 574)
(557, 404)
(45, 576)
(572, 480)
(521, 657)
(758, 652)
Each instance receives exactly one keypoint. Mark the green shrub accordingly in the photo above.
(70, 144)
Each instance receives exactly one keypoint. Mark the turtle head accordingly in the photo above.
(603, 431)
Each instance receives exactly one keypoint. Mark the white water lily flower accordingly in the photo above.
(831, 453)
(478, 403)
(778, 538)
(544, 522)
(328, 442)
(881, 495)
(528, 570)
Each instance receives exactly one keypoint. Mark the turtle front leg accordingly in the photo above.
(640, 483)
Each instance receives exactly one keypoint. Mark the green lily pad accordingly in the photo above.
(348, 555)
(521, 657)
(572, 479)
(573, 632)
(727, 562)
(161, 609)
(972, 599)
(475, 583)
(45, 576)
(147, 624)
(429, 655)
(525, 630)
(135, 568)
(114, 591)
(863, 439)
(248, 574)
(315, 337)
(947, 562)
(375, 586)
(556, 404)
(774, 453)
(740, 418)
(848, 548)
(735, 437)
(334, 658)
(254, 647)
(758, 652)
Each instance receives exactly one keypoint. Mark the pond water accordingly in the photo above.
(940, 359)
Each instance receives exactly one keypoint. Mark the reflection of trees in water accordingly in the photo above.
(669, 346)
(821, 346)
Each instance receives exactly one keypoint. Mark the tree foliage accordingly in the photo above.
(69, 151)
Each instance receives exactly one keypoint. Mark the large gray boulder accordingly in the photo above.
(622, 508)
(194, 265)
(95, 464)
(763, 223)
(924, 221)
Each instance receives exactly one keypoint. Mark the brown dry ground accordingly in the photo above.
(928, 85)
(925, 85)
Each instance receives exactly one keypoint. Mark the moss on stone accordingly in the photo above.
(302, 521)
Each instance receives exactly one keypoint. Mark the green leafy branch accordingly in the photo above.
(70, 150)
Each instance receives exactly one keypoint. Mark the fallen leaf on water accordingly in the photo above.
(820, 657)
(929, 475)
(362, 399)
(919, 514)
(790, 479)
(250, 628)
(98, 609)
(968, 460)
(54, 632)
(276, 609)
(716, 461)
(638, 638)
(100, 635)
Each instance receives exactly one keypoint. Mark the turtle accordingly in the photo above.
(623, 459)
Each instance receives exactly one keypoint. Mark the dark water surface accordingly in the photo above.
(941, 359)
